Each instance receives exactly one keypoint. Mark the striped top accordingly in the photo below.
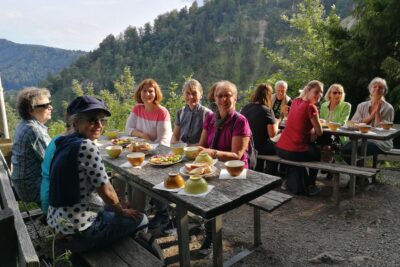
(156, 124)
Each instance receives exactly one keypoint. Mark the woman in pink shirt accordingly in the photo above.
(301, 130)
(225, 136)
(148, 119)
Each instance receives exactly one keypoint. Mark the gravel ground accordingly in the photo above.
(363, 231)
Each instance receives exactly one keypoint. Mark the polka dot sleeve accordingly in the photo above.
(92, 164)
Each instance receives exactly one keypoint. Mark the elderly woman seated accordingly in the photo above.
(30, 142)
(77, 171)
(373, 112)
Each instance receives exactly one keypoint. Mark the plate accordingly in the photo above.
(165, 160)
(347, 128)
(146, 152)
(122, 141)
(182, 171)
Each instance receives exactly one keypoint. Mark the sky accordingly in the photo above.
(77, 24)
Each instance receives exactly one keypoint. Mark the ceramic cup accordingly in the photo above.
(135, 158)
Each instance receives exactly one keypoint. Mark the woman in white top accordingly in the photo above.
(373, 112)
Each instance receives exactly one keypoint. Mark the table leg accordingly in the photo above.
(257, 227)
(217, 241)
(362, 162)
(183, 235)
(353, 162)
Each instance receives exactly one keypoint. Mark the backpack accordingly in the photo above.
(252, 151)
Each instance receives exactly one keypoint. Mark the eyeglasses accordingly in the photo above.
(45, 106)
(94, 120)
(337, 93)
(223, 96)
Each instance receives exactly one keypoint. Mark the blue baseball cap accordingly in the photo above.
(86, 103)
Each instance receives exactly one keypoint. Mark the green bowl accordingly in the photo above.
(196, 185)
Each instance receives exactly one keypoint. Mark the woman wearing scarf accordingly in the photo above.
(77, 171)
(225, 136)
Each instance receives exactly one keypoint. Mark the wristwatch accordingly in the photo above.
(215, 154)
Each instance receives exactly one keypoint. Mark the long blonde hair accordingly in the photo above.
(312, 84)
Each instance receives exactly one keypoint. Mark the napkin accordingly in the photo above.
(183, 192)
(161, 186)
(225, 175)
(129, 165)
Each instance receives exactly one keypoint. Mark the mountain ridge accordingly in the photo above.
(27, 64)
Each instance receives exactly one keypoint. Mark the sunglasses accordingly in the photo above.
(94, 120)
(337, 93)
(45, 106)
(223, 96)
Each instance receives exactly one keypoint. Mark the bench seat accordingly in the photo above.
(124, 253)
(334, 168)
(267, 202)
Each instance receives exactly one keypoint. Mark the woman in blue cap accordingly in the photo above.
(77, 171)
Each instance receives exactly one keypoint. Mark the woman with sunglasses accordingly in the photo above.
(77, 172)
(30, 142)
(334, 109)
(225, 136)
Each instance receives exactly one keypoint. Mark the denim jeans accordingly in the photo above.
(108, 228)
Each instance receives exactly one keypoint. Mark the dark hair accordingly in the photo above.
(263, 94)
(28, 98)
(210, 96)
(147, 83)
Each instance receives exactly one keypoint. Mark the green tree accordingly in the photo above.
(306, 54)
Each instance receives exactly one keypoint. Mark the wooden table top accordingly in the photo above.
(374, 133)
(226, 195)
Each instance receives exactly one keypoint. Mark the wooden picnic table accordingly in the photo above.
(355, 136)
(225, 196)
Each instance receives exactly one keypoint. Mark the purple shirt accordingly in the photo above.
(224, 142)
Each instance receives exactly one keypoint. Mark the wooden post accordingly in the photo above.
(3, 117)
(5, 148)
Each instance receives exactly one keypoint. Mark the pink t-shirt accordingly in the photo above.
(156, 124)
(224, 142)
(297, 133)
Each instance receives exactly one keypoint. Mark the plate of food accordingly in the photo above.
(123, 141)
(202, 169)
(141, 146)
(165, 160)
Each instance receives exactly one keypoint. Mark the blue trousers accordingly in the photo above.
(108, 228)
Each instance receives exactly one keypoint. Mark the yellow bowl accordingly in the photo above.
(114, 151)
(111, 134)
(386, 125)
(196, 185)
(174, 180)
(136, 158)
(234, 167)
(178, 148)
(364, 128)
(333, 126)
(191, 152)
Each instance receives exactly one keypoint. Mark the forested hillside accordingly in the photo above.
(26, 65)
(220, 40)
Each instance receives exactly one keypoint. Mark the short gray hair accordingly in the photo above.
(28, 98)
(227, 84)
(380, 81)
(281, 83)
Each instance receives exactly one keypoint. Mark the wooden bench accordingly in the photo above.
(24, 250)
(267, 202)
(335, 169)
(393, 154)
(124, 253)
